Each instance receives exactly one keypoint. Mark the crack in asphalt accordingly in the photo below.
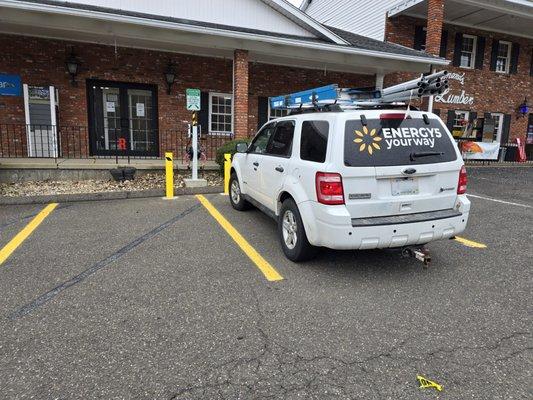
(277, 371)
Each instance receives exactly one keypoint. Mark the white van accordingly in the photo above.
(354, 179)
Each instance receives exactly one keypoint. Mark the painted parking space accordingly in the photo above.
(20, 237)
(153, 298)
(264, 266)
(470, 243)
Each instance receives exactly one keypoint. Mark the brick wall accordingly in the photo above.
(492, 92)
(434, 26)
(42, 62)
(240, 90)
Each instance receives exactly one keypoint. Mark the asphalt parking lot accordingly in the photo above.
(152, 299)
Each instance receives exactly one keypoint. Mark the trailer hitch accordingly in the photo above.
(420, 253)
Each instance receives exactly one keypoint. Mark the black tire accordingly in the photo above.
(237, 201)
(302, 250)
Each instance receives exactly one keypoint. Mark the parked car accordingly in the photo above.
(354, 179)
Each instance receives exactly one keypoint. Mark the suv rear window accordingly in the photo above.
(314, 141)
(281, 142)
(386, 142)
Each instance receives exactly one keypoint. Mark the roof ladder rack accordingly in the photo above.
(326, 98)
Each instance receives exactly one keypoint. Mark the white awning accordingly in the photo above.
(512, 17)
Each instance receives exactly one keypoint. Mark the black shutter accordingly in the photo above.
(486, 117)
(515, 51)
(436, 111)
(494, 54)
(262, 111)
(443, 44)
(203, 114)
(506, 127)
(457, 49)
(420, 37)
(471, 118)
(449, 120)
(480, 52)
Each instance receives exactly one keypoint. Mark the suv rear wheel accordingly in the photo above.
(292, 233)
(235, 195)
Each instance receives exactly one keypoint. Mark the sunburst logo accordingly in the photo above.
(368, 140)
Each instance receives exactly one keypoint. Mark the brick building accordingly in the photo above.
(101, 78)
(489, 45)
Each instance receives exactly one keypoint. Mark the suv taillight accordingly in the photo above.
(329, 188)
(461, 187)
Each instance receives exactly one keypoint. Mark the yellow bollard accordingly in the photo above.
(169, 173)
(227, 171)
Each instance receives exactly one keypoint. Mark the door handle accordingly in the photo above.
(256, 164)
(279, 169)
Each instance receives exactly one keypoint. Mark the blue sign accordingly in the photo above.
(10, 85)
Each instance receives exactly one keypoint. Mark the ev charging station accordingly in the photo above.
(194, 105)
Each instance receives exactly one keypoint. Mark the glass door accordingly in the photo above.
(122, 119)
(141, 134)
(111, 138)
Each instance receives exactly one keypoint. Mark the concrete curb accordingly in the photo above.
(138, 194)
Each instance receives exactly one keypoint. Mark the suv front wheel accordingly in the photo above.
(292, 233)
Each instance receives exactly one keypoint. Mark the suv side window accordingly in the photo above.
(314, 141)
(281, 142)
(259, 144)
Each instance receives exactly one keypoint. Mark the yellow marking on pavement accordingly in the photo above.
(426, 383)
(470, 243)
(24, 233)
(268, 270)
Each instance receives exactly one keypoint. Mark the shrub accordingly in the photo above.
(228, 147)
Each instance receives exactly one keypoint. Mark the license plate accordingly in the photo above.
(404, 186)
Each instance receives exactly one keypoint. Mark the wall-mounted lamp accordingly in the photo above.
(170, 76)
(72, 64)
(523, 109)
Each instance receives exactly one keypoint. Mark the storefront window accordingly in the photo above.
(498, 125)
(504, 55)
(468, 51)
(220, 113)
(272, 114)
(460, 122)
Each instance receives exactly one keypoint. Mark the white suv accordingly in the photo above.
(357, 179)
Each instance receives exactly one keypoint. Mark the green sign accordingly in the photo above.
(193, 99)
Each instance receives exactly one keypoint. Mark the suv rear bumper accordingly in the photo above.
(332, 227)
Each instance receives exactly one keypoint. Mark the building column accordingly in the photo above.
(240, 93)
(379, 80)
(434, 26)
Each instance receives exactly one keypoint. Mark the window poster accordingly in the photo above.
(140, 109)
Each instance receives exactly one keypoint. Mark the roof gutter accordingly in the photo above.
(20, 5)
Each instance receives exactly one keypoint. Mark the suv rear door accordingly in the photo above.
(413, 162)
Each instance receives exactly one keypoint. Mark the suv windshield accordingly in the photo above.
(387, 142)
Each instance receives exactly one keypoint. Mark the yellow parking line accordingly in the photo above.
(268, 270)
(470, 243)
(24, 233)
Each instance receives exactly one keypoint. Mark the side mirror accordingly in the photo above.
(242, 147)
